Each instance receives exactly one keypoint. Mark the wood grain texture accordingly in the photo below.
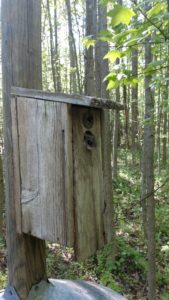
(45, 163)
(107, 177)
(65, 98)
(88, 186)
(21, 65)
(16, 166)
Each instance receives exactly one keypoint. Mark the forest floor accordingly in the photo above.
(121, 265)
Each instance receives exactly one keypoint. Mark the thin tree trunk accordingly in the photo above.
(159, 132)
(116, 126)
(126, 124)
(102, 70)
(147, 197)
(116, 136)
(1, 197)
(165, 115)
(164, 158)
(74, 68)
(91, 21)
(134, 109)
(80, 54)
(56, 50)
(52, 50)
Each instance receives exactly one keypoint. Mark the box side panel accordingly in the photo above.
(43, 167)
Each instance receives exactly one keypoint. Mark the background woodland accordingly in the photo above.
(117, 50)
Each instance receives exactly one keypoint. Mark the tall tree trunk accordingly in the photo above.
(80, 53)
(134, 109)
(164, 158)
(21, 66)
(165, 114)
(52, 48)
(159, 131)
(116, 127)
(1, 197)
(148, 174)
(74, 68)
(91, 21)
(102, 70)
(56, 50)
(126, 125)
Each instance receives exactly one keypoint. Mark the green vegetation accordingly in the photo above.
(3, 267)
(122, 265)
(133, 29)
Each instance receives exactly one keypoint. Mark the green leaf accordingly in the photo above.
(105, 36)
(124, 36)
(110, 76)
(112, 84)
(113, 55)
(155, 10)
(132, 81)
(88, 41)
(121, 14)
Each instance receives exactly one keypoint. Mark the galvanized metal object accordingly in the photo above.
(8, 294)
(72, 290)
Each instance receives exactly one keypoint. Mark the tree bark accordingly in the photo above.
(74, 68)
(91, 21)
(52, 49)
(21, 63)
(1, 197)
(102, 69)
(116, 127)
(158, 142)
(147, 196)
(164, 158)
(134, 109)
(56, 50)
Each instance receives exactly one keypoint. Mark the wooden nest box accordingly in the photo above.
(59, 183)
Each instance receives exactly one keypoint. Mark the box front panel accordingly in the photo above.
(88, 181)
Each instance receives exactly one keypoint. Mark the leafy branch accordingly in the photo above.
(150, 21)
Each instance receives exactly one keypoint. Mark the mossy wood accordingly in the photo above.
(58, 170)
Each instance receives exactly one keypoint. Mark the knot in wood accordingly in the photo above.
(88, 119)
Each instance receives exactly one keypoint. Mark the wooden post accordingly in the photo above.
(21, 62)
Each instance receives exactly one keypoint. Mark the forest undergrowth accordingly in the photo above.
(122, 264)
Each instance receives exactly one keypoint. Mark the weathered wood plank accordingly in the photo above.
(65, 98)
(16, 166)
(29, 166)
(45, 146)
(88, 183)
(21, 64)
